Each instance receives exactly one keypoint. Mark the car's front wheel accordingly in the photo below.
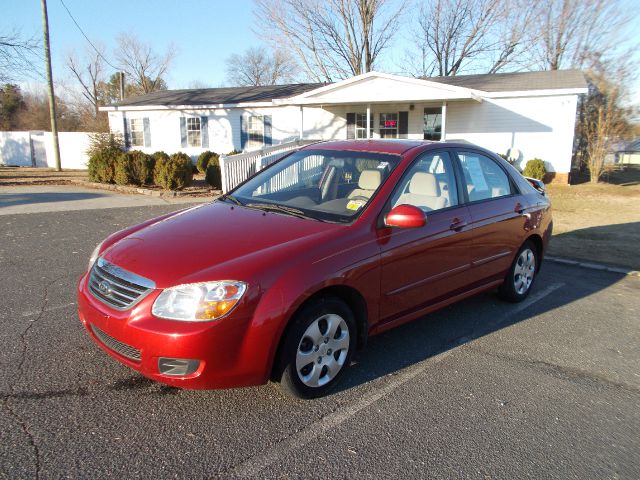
(317, 347)
(519, 280)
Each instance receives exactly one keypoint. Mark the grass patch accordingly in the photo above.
(598, 222)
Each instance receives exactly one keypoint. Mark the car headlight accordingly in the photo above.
(199, 301)
(94, 255)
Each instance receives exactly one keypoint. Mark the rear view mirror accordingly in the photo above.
(405, 216)
(537, 184)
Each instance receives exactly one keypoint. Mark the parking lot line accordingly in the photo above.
(254, 465)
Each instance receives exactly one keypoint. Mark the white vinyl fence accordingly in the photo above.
(235, 169)
(35, 149)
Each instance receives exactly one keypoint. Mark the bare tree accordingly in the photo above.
(572, 31)
(142, 66)
(257, 67)
(451, 34)
(332, 39)
(17, 56)
(90, 73)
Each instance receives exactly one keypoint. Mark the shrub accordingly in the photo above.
(100, 142)
(159, 155)
(535, 169)
(134, 168)
(234, 152)
(214, 175)
(104, 149)
(173, 173)
(122, 171)
(141, 167)
(203, 160)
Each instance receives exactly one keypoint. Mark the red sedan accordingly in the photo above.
(288, 274)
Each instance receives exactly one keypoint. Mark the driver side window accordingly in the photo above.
(429, 184)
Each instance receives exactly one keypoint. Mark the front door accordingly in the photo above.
(497, 215)
(420, 266)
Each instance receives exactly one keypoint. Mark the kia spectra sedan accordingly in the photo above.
(287, 275)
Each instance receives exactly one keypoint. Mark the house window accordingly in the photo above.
(388, 125)
(193, 132)
(255, 132)
(361, 126)
(432, 123)
(136, 130)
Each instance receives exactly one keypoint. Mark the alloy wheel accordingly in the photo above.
(322, 350)
(524, 270)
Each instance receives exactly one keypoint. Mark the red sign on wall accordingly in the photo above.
(391, 123)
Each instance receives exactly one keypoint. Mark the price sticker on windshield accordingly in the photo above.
(355, 205)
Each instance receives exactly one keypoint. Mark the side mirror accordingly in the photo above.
(405, 216)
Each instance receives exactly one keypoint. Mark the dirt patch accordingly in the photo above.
(22, 176)
(598, 223)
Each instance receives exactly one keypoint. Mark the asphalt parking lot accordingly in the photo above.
(549, 388)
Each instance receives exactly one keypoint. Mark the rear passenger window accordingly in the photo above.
(483, 178)
(429, 184)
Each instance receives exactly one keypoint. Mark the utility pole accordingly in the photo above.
(52, 103)
(121, 85)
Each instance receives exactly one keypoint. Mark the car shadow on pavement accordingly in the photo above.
(13, 199)
(461, 323)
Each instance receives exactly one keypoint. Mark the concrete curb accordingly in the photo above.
(144, 191)
(594, 266)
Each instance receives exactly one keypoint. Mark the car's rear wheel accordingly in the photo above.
(317, 348)
(517, 284)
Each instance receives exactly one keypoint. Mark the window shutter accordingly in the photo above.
(127, 142)
(204, 131)
(351, 126)
(243, 132)
(267, 130)
(183, 132)
(147, 132)
(403, 124)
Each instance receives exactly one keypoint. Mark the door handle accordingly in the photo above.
(457, 224)
(519, 208)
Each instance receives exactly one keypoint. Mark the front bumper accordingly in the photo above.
(225, 348)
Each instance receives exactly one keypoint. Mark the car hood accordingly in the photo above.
(216, 239)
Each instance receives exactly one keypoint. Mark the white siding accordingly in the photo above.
(539, 127)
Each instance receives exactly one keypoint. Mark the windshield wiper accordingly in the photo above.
(279, 208)
(232, 198)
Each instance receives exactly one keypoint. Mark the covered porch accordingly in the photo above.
(354, 109)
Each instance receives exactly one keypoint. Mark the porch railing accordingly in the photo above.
(235, 169)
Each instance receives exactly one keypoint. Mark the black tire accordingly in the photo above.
(510, 290)
(298, 343)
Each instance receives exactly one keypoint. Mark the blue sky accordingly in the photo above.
(205, 32)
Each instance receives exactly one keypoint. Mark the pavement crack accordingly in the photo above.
(568, 373)
(24, 426)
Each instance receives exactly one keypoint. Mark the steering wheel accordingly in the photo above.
(359, 197)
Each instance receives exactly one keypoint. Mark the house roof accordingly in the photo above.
(501, 82)
(517, 81)
(206, 96)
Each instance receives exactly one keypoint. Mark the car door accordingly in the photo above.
(498, 214)
(420, 266)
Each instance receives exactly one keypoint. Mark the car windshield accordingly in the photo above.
(326, 185)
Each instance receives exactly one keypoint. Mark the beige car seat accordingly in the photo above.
(368, 182)
(423, 191)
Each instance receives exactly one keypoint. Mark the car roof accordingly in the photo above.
(392, 146)
(389, 146)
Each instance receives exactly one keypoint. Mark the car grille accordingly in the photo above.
(116, 287)
(117, 346)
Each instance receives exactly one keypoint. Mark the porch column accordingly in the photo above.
(301, 127)
(443, 130)
(368, 120)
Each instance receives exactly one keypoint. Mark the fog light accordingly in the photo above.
(177, 367)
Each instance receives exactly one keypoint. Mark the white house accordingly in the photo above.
(531, 115)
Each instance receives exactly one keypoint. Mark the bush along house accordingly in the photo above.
(525, 115)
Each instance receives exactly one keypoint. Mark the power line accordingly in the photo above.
(87, 38)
